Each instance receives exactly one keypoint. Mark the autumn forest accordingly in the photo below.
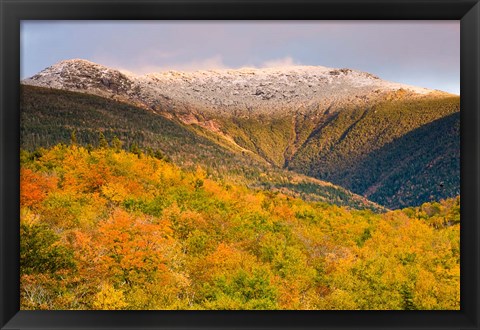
(111, 229)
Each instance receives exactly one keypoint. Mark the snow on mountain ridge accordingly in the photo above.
(225, 90)
(272, 88)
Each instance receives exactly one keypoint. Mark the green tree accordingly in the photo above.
(116, 143)
(134, 149)
(41, 251)
(73, 137)
(103, 143)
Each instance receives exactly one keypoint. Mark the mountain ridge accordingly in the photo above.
(237, 89)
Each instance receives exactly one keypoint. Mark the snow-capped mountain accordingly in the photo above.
(292, 88)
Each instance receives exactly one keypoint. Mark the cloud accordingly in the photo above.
(215, 62)
(211, 63)
(281, 62)
(153, 54)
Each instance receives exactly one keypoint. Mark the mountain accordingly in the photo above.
(344, 126)
(243, 91)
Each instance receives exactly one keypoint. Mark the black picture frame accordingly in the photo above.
(13, 11)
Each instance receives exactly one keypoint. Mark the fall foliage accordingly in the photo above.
(110, 229)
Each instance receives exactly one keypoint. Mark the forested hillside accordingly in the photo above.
(50, 116)
(364, 146)
(396, 153)
(102, 228)
(424, 164)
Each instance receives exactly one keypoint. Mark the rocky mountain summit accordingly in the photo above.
(300, 89)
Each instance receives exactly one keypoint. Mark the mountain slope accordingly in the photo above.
(49, 116)
(421, 165)
(322, 122)
(418, 141)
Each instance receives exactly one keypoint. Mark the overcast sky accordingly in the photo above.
(422, 53)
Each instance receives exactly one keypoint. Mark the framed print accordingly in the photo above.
(239, 164)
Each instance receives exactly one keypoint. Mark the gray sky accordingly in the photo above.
(422, 53)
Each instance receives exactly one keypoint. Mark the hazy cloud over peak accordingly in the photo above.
(281, 62)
